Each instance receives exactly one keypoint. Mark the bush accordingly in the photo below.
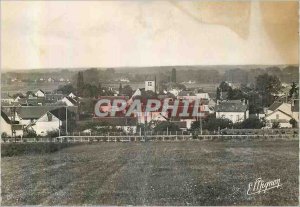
(250, 123)
(294, 123)
(15, 149)
(30, 134)
(4, 135)
(53, 133)
(275, 125)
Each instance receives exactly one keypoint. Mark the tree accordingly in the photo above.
(80, 83)
(212, 123)
(267, 86)
(294, 123)
(218, 93)
(173, 76)
(294, 91)
(120, 88)
(89, 90)
(30, 134)
(166, 126)
(127, 90)
(66, 89)
(235, 94)
(224, 86)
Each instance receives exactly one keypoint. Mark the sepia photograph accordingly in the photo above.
(149, 103)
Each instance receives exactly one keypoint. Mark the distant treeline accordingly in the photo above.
(286, 74)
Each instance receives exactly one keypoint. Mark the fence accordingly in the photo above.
(153, 137)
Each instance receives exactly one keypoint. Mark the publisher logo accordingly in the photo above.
(261, 186)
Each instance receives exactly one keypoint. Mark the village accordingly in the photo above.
(70, 109)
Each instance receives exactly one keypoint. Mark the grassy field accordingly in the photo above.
(175, 173)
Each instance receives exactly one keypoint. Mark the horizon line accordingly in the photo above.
(152, 66)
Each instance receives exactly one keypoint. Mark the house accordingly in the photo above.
(280, 112)
(40, 93)
(150, 86)
(187, 95)
(234, 110)
(72, 95)
(200, 94)
(47, 122)
(8, 126)
(53, 97)
(50, 80)
(138, 92)
(278, 116)
(51, 120)
(69, 101)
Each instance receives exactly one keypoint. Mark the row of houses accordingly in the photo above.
(38, 98)
(41, 119)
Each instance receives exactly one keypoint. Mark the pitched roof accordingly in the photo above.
(6, 119)
(60, 113)
(231, 106)
(33, 112)
(279, 111)
(41, 91)
(71, 100)
(274, 106)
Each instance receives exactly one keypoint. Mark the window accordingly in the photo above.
(149, 83)
(237, 117)
(277, 116)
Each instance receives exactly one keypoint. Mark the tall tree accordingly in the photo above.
(173, 75)
(294, 91)
(80, 83)
(120, 88)
(267, 86)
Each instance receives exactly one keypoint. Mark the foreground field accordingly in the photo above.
(177, 173)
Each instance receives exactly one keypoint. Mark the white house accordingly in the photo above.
(40, 93)
(280, 117)
(7, 126)
(174, 91)
(47, 122)
(150, 86)
(234, 110)
(72, 95)
(282, 113)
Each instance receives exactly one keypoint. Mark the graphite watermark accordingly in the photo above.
(177, 108)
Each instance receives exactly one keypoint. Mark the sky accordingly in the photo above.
(66, 34)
